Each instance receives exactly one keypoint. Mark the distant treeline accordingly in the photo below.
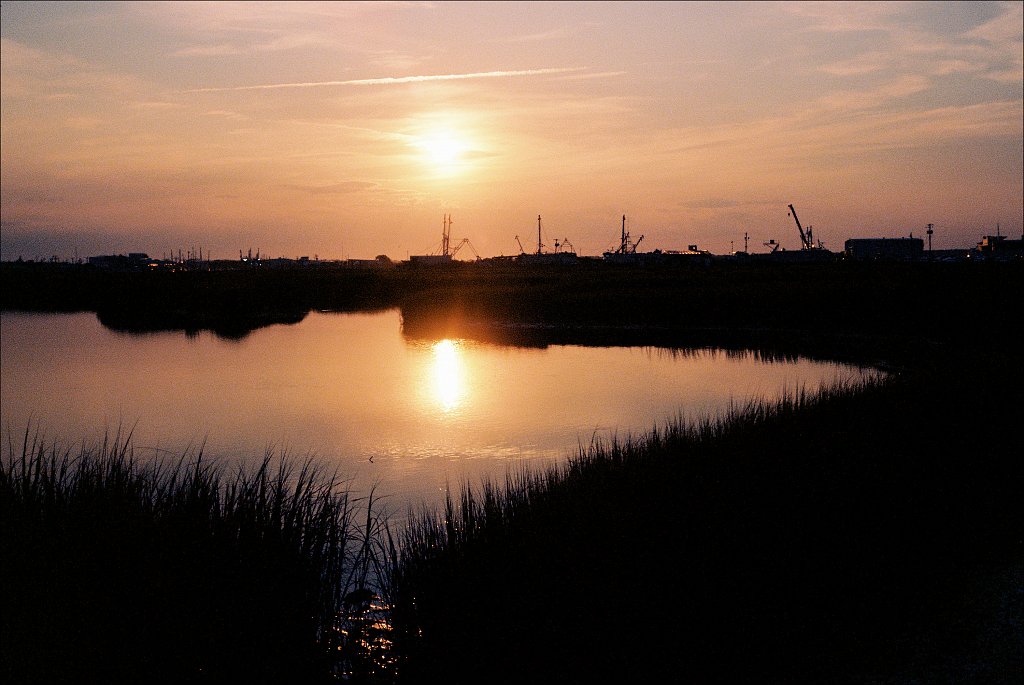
(834, 304)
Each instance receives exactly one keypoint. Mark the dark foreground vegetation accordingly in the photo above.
(116, 571)
(870, 534)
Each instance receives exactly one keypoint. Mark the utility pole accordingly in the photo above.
(746, 238)
(929, 232)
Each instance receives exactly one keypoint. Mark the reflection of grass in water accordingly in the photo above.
(116, 571)
(858, 533)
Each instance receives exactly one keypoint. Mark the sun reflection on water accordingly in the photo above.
(448, 375)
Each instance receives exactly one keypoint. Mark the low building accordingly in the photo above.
(885, 249)
(430, 259)
(133, 261)
(1000, 248)
(547, 258)
(380, 262)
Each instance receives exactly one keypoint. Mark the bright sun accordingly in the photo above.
(442, 150)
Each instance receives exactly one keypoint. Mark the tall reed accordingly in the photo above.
(120, 569)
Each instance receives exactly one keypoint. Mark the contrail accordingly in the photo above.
(390, 80)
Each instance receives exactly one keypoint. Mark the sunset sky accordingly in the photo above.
(351, 129)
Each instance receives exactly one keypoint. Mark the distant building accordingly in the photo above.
(999, 248)
(134, 260)
(885, 249)
(380, 262)
(547, 258)
(430, 259)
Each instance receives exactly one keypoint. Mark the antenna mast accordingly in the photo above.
(539, 244)
(446, 231)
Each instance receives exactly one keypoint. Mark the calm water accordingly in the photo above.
(351, 390)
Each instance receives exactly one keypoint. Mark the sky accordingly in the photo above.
(349, 130)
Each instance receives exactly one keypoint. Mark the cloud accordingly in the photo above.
(594, 75)
(208, 51)
(156, 105)
(226, 114)
(537, 37)
(865, 99)
(341, 187)
(1006, 28)
(867, 63)
(393, 80)
(713, 203)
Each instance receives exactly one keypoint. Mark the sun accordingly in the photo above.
(442, 150)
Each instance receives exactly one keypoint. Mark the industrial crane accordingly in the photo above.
(625, 246)
(806, 239)
(465, 242)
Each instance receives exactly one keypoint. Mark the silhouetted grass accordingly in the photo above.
(869, 533)
(118, 571)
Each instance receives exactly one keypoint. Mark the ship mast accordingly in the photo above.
(446, 232)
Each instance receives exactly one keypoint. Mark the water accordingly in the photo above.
(352, 391)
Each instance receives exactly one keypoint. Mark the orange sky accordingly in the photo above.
(349, 130)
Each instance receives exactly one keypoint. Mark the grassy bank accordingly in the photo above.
(178, 572)
(870, 534)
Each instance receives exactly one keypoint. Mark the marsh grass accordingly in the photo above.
(117, 569)
(855, 534)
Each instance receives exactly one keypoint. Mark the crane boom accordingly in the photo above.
(805, 242)
(465, 242)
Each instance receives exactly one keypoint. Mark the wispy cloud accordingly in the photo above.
(592, 75)
(846, 100)
(1003, 29)
(866, 63)
(341, 187)
(208, 51)
(393, 80)
(711, 203)
(537, 37)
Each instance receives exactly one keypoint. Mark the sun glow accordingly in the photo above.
(448, 376)
(442, 150)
